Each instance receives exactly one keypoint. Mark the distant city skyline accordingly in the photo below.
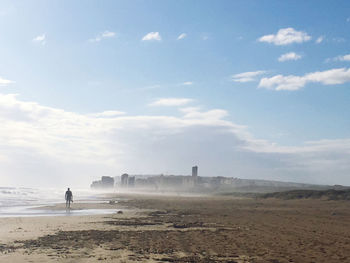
(249, 89)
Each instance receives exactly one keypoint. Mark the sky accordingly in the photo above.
(248, 89)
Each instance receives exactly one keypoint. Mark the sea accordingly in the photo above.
(23, 202)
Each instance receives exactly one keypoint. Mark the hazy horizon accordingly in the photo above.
(248, 89)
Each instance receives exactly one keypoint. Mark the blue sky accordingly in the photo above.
(278, 71)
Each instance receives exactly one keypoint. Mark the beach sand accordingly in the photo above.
(185, 229)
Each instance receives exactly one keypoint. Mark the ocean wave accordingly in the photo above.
(21, 196)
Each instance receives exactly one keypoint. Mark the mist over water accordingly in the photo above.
(13, 196)
(21, 201)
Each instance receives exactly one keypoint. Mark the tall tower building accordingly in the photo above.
(194, 171)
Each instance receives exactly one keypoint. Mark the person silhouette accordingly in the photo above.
(68, 197)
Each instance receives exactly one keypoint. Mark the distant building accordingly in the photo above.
(195, 184)
(157, 182)
(131, 181)
(105, 182)
(124, 180)
(194, 171)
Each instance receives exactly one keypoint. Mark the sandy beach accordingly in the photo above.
(185, 229)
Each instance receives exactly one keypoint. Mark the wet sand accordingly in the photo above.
(186, 229)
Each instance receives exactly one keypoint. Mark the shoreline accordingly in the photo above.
(55, 217)
(58, 209)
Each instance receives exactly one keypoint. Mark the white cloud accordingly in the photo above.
(187, 83)
(330, 77)
(291, 82)
(5, 82)
(342, 58)
(152, 36)
(286, 36)
(41, 39)
(103, 35)
(195, 113)
(280, 82)
(171, 102)
(54, 146)
(319, 39)
(108, 34)
(182, 36)
(108, 114)
(247, 76)
(289, 56)
(188, 110)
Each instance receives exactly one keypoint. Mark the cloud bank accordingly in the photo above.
(171, 102)
(46, 146)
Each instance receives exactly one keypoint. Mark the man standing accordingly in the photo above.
(69, 197)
